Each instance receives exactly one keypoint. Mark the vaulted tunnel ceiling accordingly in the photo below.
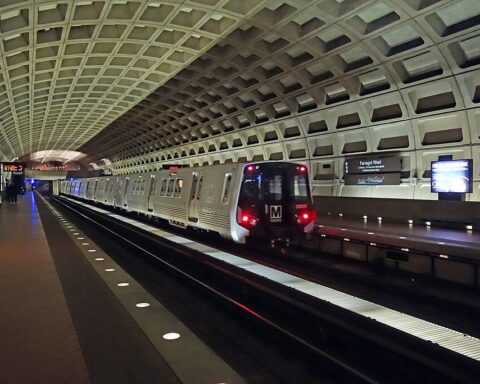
(350, 76)
(70, 68)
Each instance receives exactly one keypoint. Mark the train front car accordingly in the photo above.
(275, 202)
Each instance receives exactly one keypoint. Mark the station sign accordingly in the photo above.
(16, 168)
(371, 165)
(173, 167)
(373, 179)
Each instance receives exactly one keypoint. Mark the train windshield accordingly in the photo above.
(274, 183)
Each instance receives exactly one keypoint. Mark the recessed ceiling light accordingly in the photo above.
(123, 284)
(92, 250)
(142, 305)
(99, 259)
(110, 270)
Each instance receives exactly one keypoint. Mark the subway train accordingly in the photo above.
(260, 200)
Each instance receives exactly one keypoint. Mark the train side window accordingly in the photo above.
(163, 188)
(194, 186)
(170, 187)
(178, 187)
(200, 182)
(226, 188)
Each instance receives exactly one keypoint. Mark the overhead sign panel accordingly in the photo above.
(369, 165)
(13, 167)
(373, 171)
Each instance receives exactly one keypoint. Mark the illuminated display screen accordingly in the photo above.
(452, 176)
(12, 167)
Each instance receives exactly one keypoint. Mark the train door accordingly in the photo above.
(276, 199)
(151, 194)
(197, 181)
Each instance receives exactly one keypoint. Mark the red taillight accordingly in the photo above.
(302, 169)
(246, 219)
(250, 168)
(305, 217)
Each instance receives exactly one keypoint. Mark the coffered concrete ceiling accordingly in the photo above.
(134, 84)
(70, 68)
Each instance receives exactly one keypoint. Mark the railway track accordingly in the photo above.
(358, 349)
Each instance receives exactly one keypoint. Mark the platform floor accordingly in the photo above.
(60, 321)
(38, 342)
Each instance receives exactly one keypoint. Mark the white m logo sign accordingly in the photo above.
(275, 212)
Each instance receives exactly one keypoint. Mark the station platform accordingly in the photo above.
(64, 320)
(444, 253)
(443, 241)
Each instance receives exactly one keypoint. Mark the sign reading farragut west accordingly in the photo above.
(373, 171)
(371, 165)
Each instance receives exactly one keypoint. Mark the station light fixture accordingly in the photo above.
(171, 336)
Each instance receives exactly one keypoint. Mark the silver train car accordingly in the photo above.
(268, 200)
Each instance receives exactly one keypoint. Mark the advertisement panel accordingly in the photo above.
(452, 176)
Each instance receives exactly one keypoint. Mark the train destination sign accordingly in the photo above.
(371, 165)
